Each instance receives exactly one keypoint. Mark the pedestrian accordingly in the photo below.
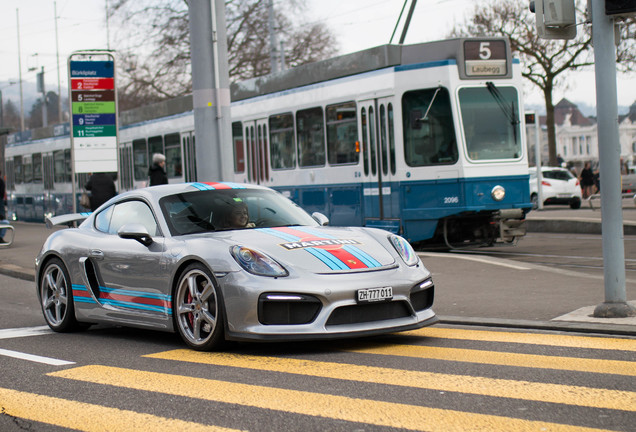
(3, 198)
(587, 180)
(102, 188)
(157, 172)
(3, 202)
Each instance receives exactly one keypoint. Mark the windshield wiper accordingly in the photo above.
(509, 111)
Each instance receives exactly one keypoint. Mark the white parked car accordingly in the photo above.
(559, 186)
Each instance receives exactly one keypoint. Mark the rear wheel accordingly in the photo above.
(199, 310)
(56, 297)
(575, 203)
(535, 201)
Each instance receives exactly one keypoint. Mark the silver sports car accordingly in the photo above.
(217, 261)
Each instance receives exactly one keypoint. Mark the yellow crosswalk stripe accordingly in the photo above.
(604, 343)
(88, 417)
(380, 413)
(614, 367)
(526, 390)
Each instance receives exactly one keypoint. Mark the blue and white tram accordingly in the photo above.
(424, 140)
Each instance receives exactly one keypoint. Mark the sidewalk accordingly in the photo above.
(470, 290)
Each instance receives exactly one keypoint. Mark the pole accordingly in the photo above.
(210, 86)
(17, 16)
(615, 305)
(45, 118)
(273, 60)
(537, 141)
(57, 53)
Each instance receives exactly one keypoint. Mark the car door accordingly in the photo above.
(132, 278)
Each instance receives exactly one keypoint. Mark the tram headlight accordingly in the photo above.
(498, 193)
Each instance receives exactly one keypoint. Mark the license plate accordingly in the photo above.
(564, 195)
(374, 294)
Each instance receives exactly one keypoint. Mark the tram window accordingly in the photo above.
(342, 133)
(372, 153)
(239, 151)
(140, 159)
(365, 152)
(429, 135)
(281, 141)
(37, 167)
(18, 169)
(174, 161)
(59, 167)
(155, 145)
(28, 170)
(383, 141)
(391, 138)
(490, 116)
(311, 137)
(67, 163)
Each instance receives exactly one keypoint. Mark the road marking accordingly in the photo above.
(524, 390)
(389, 414)
(34, 358)
(614, 367)
(604, 343)
(24, 331)
(88, 417)
(473, 258)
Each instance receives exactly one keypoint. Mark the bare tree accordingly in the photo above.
(545, 63)
(156, 65)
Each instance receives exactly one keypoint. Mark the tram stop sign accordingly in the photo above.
(94, 111)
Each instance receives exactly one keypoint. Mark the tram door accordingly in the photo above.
(256, 139)
(381, 204)
(189, 157)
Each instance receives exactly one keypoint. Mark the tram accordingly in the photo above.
(424, 140)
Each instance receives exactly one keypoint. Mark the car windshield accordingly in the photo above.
(227, 209)
(557, 175)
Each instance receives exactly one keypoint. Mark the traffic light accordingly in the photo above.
(556, 19)
(624, 8)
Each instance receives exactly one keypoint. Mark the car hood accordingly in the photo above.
(317, 249)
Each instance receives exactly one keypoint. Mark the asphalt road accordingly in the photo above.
(445, 377)
(439, 378)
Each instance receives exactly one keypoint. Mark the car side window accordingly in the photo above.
(102, 220)
(118, 215)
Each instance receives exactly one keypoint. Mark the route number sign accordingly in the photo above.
(485, 58)
(94, 111)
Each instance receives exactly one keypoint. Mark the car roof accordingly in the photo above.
(159, 191)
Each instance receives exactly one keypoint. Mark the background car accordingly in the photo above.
(217, 261)
(558, 186)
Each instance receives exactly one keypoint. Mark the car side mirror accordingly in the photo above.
(137, 232)
(320, 218)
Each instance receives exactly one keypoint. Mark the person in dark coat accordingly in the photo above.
(587, 180)
(157, 172)
(102, 188)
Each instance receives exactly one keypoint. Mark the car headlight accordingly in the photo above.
(498, 193)
(257, 262)
(404, 249)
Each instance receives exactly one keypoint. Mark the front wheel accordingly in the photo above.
(56, 297)
(198, 309)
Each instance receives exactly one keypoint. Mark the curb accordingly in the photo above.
(563, 326)
(17, 272)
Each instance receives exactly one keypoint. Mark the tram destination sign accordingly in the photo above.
(485, 58)
(94, 111)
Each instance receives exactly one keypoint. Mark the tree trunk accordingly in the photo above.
(549, 110)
